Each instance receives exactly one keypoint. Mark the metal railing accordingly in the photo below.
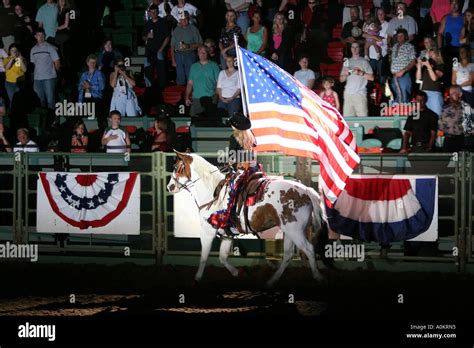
(18, 174)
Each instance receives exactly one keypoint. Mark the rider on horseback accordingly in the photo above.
(242, 158)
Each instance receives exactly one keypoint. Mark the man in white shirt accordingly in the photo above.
(24, 143)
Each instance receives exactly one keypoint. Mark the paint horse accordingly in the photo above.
(287, 204)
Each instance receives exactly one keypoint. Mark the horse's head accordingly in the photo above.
(181, 176)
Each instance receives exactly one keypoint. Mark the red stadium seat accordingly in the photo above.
(336, 44)
(335, 53)
(131, 129)
(332, 70)
(173, 94)
(183, 130)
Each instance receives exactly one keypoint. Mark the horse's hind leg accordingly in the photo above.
(288, 252)
(226, 244)
(303, 244)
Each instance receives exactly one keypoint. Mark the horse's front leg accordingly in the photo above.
(207, 236)
(226, 244)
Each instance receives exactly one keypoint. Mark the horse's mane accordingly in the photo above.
(208, 172)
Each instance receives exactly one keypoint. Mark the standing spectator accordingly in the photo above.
(425, 7)
(439, 9)
(79, 139)
(157, 37)
(349, 5)
(380, 65)
(357, 72)
(463, 74)
(467, 33)
(403, 60)
(281, 42)
(428, 43)
(64, 25)
(15, 68)
(402, 21)
(91, 83)
(305, 75)
(212, 51)
(228, 88)
(456, 121)
(108, 57)
(420, 131)
(329, 95)
(202, 82)
(3, 55)
(25, 144)
(116, 138)
(7, 24)
(182, 7)
(352, 30)
(124, 99)
(46, 60)
(449, 32)
(240, 7)
(185, 39)
(47, 18)
(257, 35)
(24, 29)
(4, 144)
(430, 71)
(226, 40)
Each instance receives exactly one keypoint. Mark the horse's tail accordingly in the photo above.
(320, 227)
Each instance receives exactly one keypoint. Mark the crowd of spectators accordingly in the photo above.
(416, 50)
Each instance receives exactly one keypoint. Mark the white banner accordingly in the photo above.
(99, 203)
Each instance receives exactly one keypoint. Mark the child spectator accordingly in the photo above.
(115, 138)
(329, 95)
(305, 75)
(372, 28)
(80, 139)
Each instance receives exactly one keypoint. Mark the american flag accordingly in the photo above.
(290, 118)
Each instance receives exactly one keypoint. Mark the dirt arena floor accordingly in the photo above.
(169, 292)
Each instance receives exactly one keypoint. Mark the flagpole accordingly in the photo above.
(240, 70)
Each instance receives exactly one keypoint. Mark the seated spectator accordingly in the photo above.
(228, 88)
(25, 144)
(15, 68)
(91, 83)
(456, 122)
(420, 131)
(430, 72)
(226, 39)
(47, 18)
(402, 21)
(124, 99)
(403, 60)
(4, 144)
(281, 42)
(107, 58)
(463, 74)
(185, 39)
(305, 75)
(164, 135)
(356, 72)
(202, 82)
(329, 95)
(352, 31)
(181, 7)
(212, 51)
(241, 8)
(257, 35)
(115, 138)
(80, 139)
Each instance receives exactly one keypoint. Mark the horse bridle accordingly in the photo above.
(188, 184)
